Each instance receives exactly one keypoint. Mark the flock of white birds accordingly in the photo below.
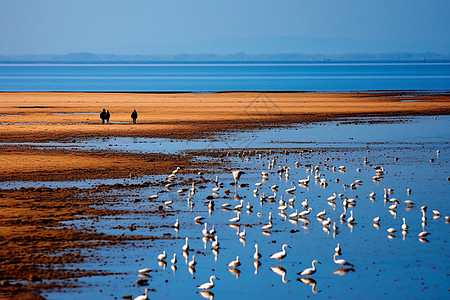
(286, 209)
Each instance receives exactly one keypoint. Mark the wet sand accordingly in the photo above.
(29, 216)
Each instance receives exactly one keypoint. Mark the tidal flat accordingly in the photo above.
(129, 223)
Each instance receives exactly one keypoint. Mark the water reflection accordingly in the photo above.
(256, 264)
(206, 294)
(280, 271)
(311, 282)
(235, 272)
(343, 271)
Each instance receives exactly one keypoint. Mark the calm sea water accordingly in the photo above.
(207, 77)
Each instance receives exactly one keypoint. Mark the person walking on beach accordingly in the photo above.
(103, 116)
(107, 116)
(134, 116)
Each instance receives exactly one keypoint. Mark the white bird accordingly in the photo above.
(144, 270)
(257, 255)
(371, 195)
(393, 206)
(351, 219)
(199, 218)
(177, 224)
(391, 230)
(267, 226)
(185, 247)
(409, 202)
(226, 205)
(192, 263)
(239, 206)
(249, 206)
(326, 222)
(376, 219)
(294, 214)
(212, 232)
(404, 226)
(237, 175)
(162, 256)
(280, 255)
(242, 233)
(216, 243)
(205, 231)
(305, 212)
(304, 181)
(436, 212)
(332, 198)
(208, 285)
(424, 234)
(305, 203)
(274, 187)
(310, 271)
(341, 262)
(321, 213)
(235, 263)
(292, 189)
(337, 249)
(174, 259)
(143, 297)
(235, 219)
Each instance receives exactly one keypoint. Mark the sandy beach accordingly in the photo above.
(42, 117)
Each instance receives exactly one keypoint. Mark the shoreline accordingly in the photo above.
(44, 117)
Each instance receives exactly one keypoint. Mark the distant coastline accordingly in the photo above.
(86, 57)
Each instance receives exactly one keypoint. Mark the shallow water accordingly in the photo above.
(401, 267)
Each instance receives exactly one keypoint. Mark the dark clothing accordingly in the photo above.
(103, 116)
(107, 116)
(134, 116)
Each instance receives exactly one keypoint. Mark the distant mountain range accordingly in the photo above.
(85, 57)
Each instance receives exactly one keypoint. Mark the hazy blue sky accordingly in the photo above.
(223, 26)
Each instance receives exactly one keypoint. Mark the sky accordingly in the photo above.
(148, 27)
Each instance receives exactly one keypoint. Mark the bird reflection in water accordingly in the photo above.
(235, 272)
(343, 271)
(256, 264)
(162, 264)
(280, 271)
(311, 282)
(206, 294)
(191, 270)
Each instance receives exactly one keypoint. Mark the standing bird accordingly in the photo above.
(162, 256)
(235, 219)
(192, 263)
(185, 247)
(341, 262)
(208, 285)
(174, 259)
(235, 263)
(280, 255)
(237, 175)
(143, 297)
(257, 255)
(310, 271)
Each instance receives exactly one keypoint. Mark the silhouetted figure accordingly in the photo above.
(107, 116)
(134, 116)
(103, 116)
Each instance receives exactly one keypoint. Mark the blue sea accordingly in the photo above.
(215, 77)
